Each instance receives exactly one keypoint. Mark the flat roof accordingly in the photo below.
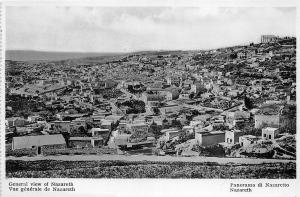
(270, 128)
(37, 140)
(213, 133)
(85, 138)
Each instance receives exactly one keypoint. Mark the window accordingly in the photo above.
(265, 135)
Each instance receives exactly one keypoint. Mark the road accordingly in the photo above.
(128, 94)
(152, 158)
(115, 108)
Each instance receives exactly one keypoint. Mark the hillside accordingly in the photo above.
(28, 55)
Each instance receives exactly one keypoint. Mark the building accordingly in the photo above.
(39, 142)
(122, 139)
(98, 131)
(197, 88)
(169, 109)
(247, 140)
(138, 128)
(122, 126)
(232, 137)
(75, 124)
(269, 133)
(268, 38)
(153, 99)
(210, 138)
(189, 129)
(268, 116)
(61, 126)
(262, 120)
(34, 118)
(86, 142)
(288, 120)
(106, 125)
(16, 122)
(170, 133)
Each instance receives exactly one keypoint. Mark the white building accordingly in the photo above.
(269, 133)
(232, 137)
(247, 140)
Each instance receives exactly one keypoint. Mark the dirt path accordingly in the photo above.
(151, 158)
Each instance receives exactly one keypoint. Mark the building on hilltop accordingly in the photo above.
(268, 38)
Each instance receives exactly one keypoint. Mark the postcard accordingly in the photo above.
(145, 98)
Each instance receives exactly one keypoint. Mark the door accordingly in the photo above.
(39, 150)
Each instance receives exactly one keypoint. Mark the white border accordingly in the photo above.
(151, 187)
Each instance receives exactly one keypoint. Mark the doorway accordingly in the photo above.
(39, 150)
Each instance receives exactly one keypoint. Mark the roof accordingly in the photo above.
(14, 118)
(270, 109)
(173, 131)
(98, 130)
(121, 139)
(270, 129)
(217, 132)
(241, 114)
(38, 140)
(249, 136)
(168, 130)
(187, 127)
(106, 123)
(138, 124)
(85, 138)
(212, 133)
(61, 121)
(113, 117)
(235, 131)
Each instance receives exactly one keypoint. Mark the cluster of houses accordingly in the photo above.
(213, 96)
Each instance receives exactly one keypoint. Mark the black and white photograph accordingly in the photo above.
(141, 92)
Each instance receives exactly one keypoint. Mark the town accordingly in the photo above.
(237, 101)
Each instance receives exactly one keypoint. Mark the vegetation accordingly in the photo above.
(155, 129)
(62, 151)
(134, 106)
(23, 106)
(143, 169)
(211, 151)
(136, 89)
(108, 93)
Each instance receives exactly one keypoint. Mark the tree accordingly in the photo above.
(233, 55)
(165, 124)
(155, 129)
(192, 95)
(66, 135)
(80, 131)
(248, 103)
(156, 110)
(176, 123)
(115, 125)
(185, 136)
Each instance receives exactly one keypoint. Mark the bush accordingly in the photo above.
(211, 151)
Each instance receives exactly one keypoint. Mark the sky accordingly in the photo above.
(127, 29)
